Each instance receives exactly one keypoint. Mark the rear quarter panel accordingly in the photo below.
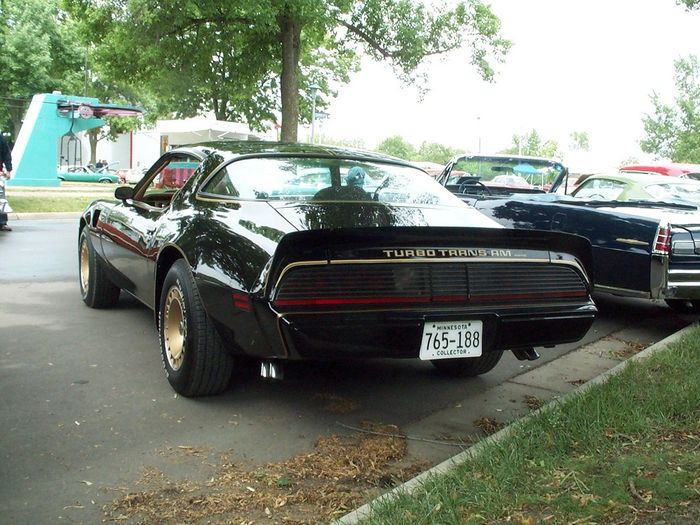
(621, 243)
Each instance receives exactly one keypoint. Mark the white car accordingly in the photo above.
(130, 176)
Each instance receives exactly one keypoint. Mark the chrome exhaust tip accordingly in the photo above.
(526, 354)
(271, 370)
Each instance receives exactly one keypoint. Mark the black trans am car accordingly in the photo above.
(641, 248)
(278, 252)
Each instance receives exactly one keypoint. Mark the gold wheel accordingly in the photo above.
(174, 327)
(84, 266)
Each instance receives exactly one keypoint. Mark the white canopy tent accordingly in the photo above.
(202, 129)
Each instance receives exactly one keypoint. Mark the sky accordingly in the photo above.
(575, 66)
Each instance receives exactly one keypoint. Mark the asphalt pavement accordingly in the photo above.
(85, 406)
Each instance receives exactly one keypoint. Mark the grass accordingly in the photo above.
(47, 204)
(68, 197)
(627, 451)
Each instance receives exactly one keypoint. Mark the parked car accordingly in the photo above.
(511, 181)
(380, 262)
(130, 175)
(671, 169)
(498, 174)
(639, 186)
(86, 174)
(642, 248)
(431, 168)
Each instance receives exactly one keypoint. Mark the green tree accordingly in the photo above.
(673, 131)
(343, 142)
(397, 147)
(39, 55)
(579, 141)
(689, 4)
(531, 144)
(115, 93)
(189, 56)
(434, 152)
(250, 58)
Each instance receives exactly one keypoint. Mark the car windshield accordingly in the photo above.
(512, 171)
(675, 190)
(600, 189)
(327, 179)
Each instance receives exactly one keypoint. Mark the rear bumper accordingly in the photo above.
(674, 281)
(682, 284)
(398, 334)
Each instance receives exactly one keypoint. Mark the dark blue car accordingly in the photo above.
(641, 248)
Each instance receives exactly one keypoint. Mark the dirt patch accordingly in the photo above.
(341, 473)
(489, 425)
(631, 348)
(337, 404)
(533, 402)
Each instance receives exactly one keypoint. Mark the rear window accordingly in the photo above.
(320, 180)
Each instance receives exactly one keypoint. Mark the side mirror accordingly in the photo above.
(124, 193)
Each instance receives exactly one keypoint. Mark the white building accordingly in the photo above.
(142, 148)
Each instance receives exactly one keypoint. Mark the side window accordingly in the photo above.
(221, 184)
(270, 178)
(174, 174)
(168, 180)
(234, 180)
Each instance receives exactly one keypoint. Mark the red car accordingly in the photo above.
(672, 169)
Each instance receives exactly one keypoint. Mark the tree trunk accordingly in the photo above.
(94, 138)
(16, 117)
(290, 36)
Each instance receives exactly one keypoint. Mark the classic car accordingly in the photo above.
(499, 174)
(130, 175)
(643, 248)
(238, 257)
(638, 186)
(671, 169)
(86, 174)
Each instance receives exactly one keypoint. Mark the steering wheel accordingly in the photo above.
(484, 188)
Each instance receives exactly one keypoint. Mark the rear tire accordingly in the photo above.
(95, 287)
(684, 306)
(195, 360)
(468, 366)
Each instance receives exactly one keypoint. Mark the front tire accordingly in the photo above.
(468, 366)
(95, 287)
(193, 355)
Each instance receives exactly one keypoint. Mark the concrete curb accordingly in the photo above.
(39, 216)
(416, 483)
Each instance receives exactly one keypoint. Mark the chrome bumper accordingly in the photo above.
(671, 283)
(682, 284)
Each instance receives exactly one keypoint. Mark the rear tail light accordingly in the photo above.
(662, 243)
(241, 301)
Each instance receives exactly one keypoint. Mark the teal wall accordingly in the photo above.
(35, 154)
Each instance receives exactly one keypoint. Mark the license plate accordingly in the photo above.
(451, 339)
